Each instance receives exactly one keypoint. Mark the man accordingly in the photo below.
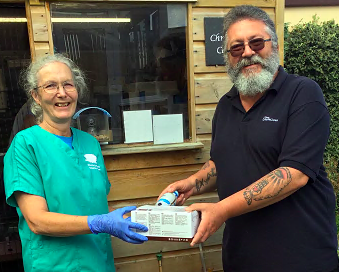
(23, 119)
(268, 139)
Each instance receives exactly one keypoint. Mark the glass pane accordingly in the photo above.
(134, 56)
(14, 55)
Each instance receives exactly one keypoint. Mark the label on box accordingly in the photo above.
(167, 223)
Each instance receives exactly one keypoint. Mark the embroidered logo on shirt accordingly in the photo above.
(92, 159)
(266, 118)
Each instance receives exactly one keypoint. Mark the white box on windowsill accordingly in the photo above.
(168, 129)
(167, 223)
(138, 126)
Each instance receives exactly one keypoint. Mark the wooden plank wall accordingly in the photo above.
(39, 28)
(137, 179)
(147, 174)
(211, 82)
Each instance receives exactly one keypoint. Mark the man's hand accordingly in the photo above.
(212, 217)
(185, 188)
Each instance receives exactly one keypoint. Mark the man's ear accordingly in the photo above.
(36, 97)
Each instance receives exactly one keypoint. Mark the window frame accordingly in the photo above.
(310, 3)
(191, 142)
(41, 2)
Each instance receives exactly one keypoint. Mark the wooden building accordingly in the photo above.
(139, 172)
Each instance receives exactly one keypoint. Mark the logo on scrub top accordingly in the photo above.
(266, 118)
(92, 159)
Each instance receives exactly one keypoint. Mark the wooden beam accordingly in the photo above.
(41, 49)
(36, 2)
(204, 116)
(190, 73)
(142, 148)
(122, 249)
(279, 25)
(233, 3)
(39, 24)
(30, 29)
(140, 183)
(122, 1)
(49, 28)
(211, 87)
(158, 159)
(187, 260)
(39, 28)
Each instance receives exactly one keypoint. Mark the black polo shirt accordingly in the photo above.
(288, 126)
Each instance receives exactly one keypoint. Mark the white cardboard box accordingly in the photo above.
(167, 223)
(168, 129)
(138, 126)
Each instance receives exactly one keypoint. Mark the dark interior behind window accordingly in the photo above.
(14, 55)
(139, 64)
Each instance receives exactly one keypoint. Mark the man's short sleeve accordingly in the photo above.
(214, 124)
(307, 131)
(21, 172)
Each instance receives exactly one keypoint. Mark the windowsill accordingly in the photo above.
(121, 150)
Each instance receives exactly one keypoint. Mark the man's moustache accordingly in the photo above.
(250, 61)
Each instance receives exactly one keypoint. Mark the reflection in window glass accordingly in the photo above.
(14, 55)
(134, 56)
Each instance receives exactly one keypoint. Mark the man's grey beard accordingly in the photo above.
(252, 83)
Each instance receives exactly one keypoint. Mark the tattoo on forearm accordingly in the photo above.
(269, 186)
(206, 165)
(203, 182)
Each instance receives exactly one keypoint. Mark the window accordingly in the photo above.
(134, 56)
(308, 3)
(14, 55)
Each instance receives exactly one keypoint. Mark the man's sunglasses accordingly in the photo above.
(238, 49)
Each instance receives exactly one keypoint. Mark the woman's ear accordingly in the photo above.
(36, 97)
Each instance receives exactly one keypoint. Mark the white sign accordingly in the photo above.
(138, 126)
(168, 129)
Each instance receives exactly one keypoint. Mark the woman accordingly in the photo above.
(56, 177)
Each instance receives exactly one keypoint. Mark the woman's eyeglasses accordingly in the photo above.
(53, 87)
(238, 49)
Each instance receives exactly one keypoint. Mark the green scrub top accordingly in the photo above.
(73, 181)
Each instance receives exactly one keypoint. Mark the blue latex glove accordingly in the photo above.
(114, 224)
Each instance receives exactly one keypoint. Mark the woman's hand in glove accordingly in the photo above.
(113, 223)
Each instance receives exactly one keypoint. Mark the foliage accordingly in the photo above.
(312, 50)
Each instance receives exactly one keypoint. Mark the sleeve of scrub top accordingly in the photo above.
(307, 131)
(21, 172)
(103, 167)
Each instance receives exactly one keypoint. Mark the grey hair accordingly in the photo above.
(249, 12)
(30, 80)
